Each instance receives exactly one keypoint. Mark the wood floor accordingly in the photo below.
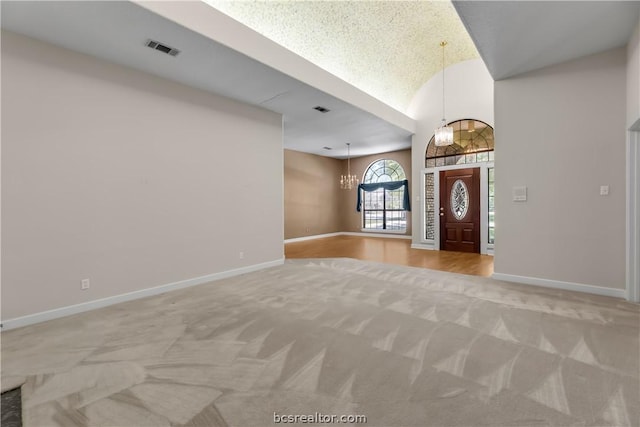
(393, 251)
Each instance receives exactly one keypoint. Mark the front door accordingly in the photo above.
(460, 210)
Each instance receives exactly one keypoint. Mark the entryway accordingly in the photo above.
(459, 208)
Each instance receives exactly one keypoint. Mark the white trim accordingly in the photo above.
(556, 284)
(422, 199)
(464, 166)
(316, 236)
(633, 215)
(104, 302)
(484, 210)
(378, 231)
(436, 209)
(377, 234)
(423, 246)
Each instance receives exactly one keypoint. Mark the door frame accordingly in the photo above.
(633, 214)
(485, 247)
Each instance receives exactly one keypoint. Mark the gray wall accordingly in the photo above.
(560, 131)
(126, 179)
(633, 77)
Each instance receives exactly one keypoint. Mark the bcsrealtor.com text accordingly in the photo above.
(318, 418)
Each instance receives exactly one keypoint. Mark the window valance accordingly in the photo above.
(389, 185)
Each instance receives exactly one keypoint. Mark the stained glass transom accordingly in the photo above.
(459, 199)
(472, 143)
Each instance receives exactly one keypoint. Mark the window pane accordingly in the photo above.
(396, 220)
(394, 199)
(374, 199)
(490, 175)
(373, 219)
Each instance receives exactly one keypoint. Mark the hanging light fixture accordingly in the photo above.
(444, 134)
(471, 126)
(348, 181)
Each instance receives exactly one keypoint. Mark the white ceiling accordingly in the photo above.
(514, 37)
(116, 31)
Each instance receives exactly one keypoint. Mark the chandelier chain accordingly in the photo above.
(443, 44)
(348, 181)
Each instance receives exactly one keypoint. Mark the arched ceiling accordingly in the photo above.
(388, 49)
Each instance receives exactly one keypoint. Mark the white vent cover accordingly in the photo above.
(162, 47)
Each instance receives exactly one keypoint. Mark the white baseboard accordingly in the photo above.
(348, 233)
(315, 236)
(556, 284)
(424, 246)
(381, 235)
(43, 316)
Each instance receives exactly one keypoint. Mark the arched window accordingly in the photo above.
(472, 143)
(384, 208)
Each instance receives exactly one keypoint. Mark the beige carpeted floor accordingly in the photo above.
(401, 346)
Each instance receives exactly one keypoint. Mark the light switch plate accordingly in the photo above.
(604, 190)
(520, 194)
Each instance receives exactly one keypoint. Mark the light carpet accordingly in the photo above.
(401, 346)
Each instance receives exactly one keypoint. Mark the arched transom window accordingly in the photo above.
(472, 143)
(384, 209)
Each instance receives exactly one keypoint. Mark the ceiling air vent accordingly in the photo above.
(327, 148)
(162, 47)
(321, 109)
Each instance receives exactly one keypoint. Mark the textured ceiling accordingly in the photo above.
(387, 49)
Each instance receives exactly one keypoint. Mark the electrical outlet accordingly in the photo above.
(85, 284)
(241, 255)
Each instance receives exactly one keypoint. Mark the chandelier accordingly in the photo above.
(348, 181)
(444, 134)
